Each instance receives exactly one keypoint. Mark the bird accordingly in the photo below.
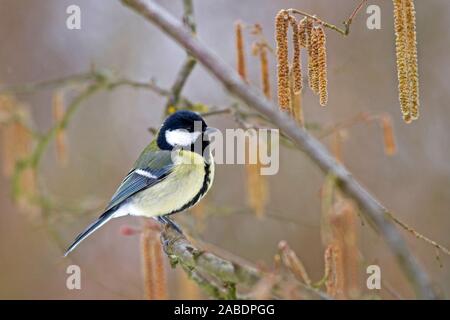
(172, 174)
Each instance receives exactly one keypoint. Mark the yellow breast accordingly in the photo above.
(189, 181)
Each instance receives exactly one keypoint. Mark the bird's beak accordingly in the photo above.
(211, 130)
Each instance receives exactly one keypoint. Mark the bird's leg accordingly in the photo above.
(167, 221)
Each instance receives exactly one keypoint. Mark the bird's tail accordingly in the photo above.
(105, 217)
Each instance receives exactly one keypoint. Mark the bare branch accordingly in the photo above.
(372, 209)
(189, 63)
(180, 81)
(181, 251)
(218, 276)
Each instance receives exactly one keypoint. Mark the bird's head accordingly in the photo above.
(184, 129)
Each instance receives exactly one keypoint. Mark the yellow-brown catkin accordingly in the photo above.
(240, 52)
(329, 271)
(302, 34)
(293, 263)
(390, 147)
(155, 286)
(345, 237)
(257, 188)
(281, 30)
(334, 271)
(296, 63)
(322, 66)
(309, 23)
(265, 72)
(291, 92)
(313, 61)
(295, 108)
(260, 49)
(333, 232)
(413, 71)
(400, 45)
(406, 50)
(339, 273)
(352, 262)
(58, 115)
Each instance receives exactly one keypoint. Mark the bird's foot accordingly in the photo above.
(168, 222)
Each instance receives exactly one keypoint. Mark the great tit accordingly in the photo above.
(172, 174)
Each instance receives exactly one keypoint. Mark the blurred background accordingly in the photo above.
(106, 134)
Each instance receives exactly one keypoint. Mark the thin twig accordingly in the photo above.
(188, 64)
(417, 234)
(95, 76)
(346, 23)
(358, 118)
(150, 85)
(217, 112)
(373, 210)
(49, 84)
(355, 12)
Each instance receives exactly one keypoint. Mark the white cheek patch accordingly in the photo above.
(180, 137)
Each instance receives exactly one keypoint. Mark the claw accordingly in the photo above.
(168, 222)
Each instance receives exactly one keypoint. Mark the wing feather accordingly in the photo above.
(154, 169)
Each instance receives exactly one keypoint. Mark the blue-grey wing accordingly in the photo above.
(158, 166)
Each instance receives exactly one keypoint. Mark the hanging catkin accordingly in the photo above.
(281, 29)
(240, 54)
(296, 63)
(265, 72)
(388, 135)
(412, 64)
(260, 49)
(406, 50)
(400, 45)
(308, 29)
(313, 61)
(296, 109)
(335, 271)
(256, 184)
(322, 66)
(302, 34)
(155, 286)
